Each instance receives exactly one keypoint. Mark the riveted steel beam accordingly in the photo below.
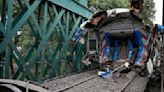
(74, 7)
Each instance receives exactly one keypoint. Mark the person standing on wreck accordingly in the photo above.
(136, 8)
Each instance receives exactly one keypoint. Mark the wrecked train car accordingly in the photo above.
(115, 37)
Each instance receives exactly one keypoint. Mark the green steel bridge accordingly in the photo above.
(51, 24)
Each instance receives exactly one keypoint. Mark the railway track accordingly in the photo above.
(91, 82)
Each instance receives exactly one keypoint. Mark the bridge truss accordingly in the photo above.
(35, 38)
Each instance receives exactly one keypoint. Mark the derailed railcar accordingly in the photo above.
(115, 37)
(118, 29)
(120, 36)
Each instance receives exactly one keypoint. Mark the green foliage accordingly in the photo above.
(147, 13)
(26, 39)
(109, 4)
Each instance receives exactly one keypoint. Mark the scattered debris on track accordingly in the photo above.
(91, 82)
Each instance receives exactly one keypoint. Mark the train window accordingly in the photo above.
(92, 45)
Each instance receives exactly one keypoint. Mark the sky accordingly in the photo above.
(158, 14)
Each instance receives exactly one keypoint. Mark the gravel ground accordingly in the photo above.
(90, 82)
(103, 85)
(137, 85)
(70, 81)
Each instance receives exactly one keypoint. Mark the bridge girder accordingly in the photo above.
(50, 28)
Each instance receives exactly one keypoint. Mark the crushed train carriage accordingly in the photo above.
(118, 36)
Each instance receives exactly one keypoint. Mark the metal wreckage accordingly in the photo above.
(118, 40)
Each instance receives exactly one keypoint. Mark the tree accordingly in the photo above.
(108, 4)
(147, 13)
